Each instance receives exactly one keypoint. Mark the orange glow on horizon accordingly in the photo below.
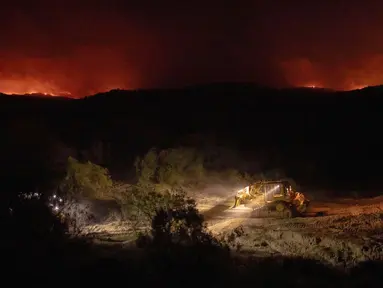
(30, 86)
(356, 87)
(312, 85)
(35, 92)
(355, 74)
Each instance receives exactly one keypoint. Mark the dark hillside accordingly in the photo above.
(317, 136)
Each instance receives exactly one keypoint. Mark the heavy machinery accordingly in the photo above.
(272, 199)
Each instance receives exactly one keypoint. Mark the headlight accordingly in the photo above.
(243, 192)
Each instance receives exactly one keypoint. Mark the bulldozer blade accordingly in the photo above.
(261, 215)
(235, 205)
(264, 213)
(315, 214)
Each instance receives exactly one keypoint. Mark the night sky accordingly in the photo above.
(60, 47)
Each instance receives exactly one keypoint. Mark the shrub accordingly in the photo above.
(164, 169)
(86, 180)
(82, 181)
(179, 244)
(162, 177)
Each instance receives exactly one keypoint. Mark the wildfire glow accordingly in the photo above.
(313, 86)
(30, 86)
(356, 87)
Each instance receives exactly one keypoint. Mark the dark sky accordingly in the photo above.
(63, 46)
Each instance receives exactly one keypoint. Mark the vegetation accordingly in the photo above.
(161, 179)
(176, 244)
(86, 180)
(161, 182)
(170, 168)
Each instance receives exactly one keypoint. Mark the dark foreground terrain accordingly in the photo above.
(39, 250)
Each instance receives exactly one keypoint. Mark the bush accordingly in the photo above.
(86, 180)
(82, 181)
(164, 169)
(162, 177)
(179, 245)
(76, 214)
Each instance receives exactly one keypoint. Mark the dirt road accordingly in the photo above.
(351, 233)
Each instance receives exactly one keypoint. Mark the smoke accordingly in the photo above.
(349, 75)
(84, 48)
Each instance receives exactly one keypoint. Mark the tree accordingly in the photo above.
(180, 167)
(86, 180)
(179, 245)
(82, 180)
(162, 177)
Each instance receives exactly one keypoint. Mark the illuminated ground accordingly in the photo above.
(351, 233)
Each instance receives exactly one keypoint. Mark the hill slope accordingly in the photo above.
(317, 136)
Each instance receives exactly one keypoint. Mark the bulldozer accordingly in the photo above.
(276, 199)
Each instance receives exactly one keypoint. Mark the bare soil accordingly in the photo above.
(350, 233)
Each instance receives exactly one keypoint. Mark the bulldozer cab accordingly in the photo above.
(274, 191)
(271, 190)
(265, 192)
